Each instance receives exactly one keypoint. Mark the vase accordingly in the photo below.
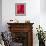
(41, 43)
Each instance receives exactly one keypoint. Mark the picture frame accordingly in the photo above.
(20, 9)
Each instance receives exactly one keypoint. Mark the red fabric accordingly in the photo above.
(20, 9)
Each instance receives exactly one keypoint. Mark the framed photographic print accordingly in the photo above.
(20, 9)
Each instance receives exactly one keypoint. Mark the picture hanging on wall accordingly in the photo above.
(20, 9)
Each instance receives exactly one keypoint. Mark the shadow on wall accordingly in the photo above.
(0, 15)
(43, 6)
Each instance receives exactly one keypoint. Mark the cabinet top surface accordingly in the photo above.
(19, 23)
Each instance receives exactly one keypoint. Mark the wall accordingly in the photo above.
(33, 13)
(43, 14)
(43, 6)
(0, 15)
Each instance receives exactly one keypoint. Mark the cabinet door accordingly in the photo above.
(20, 37)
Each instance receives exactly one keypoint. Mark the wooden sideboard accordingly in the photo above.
(22, 33)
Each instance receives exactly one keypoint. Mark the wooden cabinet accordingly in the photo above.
(22, 33)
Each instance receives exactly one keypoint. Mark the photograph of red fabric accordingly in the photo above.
(20, 9)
